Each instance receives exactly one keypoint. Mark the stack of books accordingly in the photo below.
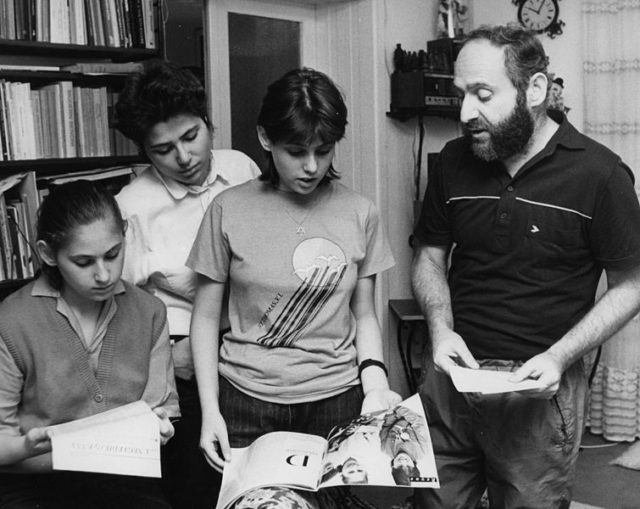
(111, 23)
(58, 120)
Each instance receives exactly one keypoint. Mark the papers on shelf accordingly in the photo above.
(488, 381)
(125, 440)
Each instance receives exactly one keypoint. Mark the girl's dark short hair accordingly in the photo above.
(300, 106)
(68, 206)
(159, 92)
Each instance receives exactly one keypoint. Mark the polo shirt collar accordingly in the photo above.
(42, 288)
(178, 190)
(566, 135)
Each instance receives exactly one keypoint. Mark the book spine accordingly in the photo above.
(101, 119)
(37, 123)
(99, 22)
(12, 121)
(80, 20)
(4, 29)
(149, 24)
(89, 121)
(5, 239)
(16, 258)
(108, 23)
(21, 28)
(120, 22)
(81, 143)
(29, 130)
(46, 99)
(68, 118)
(128, 29)
(90, 23)
(10, 19)
(4, 134)
(30, 19)
(46, 20)
(58, 115)
(137, 22)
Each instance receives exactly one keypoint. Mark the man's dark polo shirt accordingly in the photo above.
(529, 250)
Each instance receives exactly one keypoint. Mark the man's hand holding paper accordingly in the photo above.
(491, 381)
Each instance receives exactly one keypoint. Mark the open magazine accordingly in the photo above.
(124, 440)
(385, 448)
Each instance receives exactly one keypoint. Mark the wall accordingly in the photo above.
(411, 23)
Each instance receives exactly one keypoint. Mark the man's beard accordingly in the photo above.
(506, 138)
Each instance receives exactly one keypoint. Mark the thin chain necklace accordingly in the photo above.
(312, 206)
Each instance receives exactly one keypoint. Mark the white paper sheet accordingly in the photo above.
(488, 381)
(125, 440)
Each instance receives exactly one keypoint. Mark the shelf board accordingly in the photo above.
(66, 165)
(118, 54)
(403, 114)
(47, 76)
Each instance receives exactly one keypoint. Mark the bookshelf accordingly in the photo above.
(57, 123)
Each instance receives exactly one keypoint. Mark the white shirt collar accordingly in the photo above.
(178, 190)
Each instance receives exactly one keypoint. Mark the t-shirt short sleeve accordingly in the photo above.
(210, 252)
(379, 256)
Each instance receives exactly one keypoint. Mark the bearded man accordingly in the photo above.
(528, 212)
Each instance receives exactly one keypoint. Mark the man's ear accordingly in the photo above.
(537, 90)
(262, 137)
(46, 253)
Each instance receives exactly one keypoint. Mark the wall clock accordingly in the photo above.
(540, 16)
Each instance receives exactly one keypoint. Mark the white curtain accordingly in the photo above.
(611, 54)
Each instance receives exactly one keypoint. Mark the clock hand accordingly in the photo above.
(540, 6)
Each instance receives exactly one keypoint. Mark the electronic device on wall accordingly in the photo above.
(542, 16)
(422, 82)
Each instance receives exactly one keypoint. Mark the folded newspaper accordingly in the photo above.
(385, 448)
(125, 440)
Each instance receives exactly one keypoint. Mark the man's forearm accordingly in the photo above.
(614, 309)
(431, 291)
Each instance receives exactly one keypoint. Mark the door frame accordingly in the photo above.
(217, 50)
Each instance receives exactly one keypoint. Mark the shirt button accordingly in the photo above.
(510, 188)
(503, 215)
(98, 398)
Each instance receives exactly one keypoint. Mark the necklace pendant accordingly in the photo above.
(300, 230)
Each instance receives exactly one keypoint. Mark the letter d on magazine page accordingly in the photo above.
(384, 448)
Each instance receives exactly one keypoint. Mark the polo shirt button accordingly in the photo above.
(510, 188)
(98, 398)
(503, 215)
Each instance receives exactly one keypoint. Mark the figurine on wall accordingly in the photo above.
(556, 98)
(453, 18)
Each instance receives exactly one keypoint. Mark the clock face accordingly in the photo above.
(538, 15)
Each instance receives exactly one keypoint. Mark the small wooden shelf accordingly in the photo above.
(403, 114)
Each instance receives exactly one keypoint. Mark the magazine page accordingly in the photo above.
(276, 459)
(125, 440)
(386, 448)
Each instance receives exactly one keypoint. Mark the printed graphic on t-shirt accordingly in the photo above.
(320, 264)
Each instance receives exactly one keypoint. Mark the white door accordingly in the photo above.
(252, 43)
